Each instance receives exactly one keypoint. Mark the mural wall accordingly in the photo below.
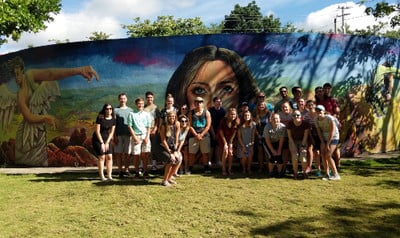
(48, 104)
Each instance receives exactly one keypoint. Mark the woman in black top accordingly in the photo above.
(101, 139)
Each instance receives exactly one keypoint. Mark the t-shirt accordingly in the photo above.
(298, 131)
(216, 117)
(139, 121)
(122, 128)
(154, 113)
(274, 134)
(324, 126)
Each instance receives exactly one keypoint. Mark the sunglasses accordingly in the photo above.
(108, 108)
(283, 91)
(183, 121)
(297, 115)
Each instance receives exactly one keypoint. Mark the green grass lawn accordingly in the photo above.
(365, 203)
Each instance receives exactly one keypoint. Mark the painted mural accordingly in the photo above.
(50, 96)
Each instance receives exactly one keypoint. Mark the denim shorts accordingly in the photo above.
(334, 142)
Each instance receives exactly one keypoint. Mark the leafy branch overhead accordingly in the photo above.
(18, 16)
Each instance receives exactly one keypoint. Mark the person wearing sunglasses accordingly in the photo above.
(298, 132)
(283, 92)
(101, 140)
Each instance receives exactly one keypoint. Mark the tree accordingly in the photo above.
(244, 19)
(18, 16)
(383, 9)
(249, 19)
(166, 26)
(98, 36)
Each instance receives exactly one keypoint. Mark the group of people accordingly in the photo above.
(294, 132)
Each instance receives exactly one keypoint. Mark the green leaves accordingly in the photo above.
(166, 26)
(18, 16)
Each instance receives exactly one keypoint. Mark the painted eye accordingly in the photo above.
(199, 91)
(227, 89)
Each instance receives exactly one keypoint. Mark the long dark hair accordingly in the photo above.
(102, 113)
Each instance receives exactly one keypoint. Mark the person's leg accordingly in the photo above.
(109, 165)
(295, 156)
(310, 158)
(127, 162)
(100, 167)
(205, 161)
(324, 157)
(243, 163)
(136, 163)
(171, 173)
(191, 159)
(205, 147)
(331, 162)
(118, 158)
(167, 170)
(223, 160)
(336, 156)
(145, 158)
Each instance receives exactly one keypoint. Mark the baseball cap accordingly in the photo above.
(245, 104)
(320, 108)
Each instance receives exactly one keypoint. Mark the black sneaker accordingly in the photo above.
(120, 174)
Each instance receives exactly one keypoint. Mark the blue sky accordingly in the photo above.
(79, 18)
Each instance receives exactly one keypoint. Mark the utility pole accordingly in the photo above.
(334, 25)
(342, 16)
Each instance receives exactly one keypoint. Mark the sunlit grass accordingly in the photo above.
(365, 203)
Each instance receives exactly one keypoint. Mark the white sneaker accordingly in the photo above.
(166, 183)
(336, 177)
(326, 177)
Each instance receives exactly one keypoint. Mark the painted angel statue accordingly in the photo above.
(37, 88)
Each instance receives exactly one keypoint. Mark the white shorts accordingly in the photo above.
(140, 147)
(124, 144)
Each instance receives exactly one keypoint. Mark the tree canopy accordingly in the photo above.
(383, 9)
(166, 26)
(18, 16)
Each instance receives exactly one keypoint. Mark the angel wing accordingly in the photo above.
(45, 93)
(39, 103)
(8, 104)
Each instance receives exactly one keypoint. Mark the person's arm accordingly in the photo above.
(53, 74)
(178, 128)
(290, 137)
(164, 139)
(131, 130)
(182, 142)
(110, 136)
(331, 132)
(304, 142)
(208, 124)
(319, 132)
(22, 99)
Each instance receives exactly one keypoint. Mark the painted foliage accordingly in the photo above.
(49, 120)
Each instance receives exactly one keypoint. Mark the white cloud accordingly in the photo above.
(354, 16)
(79, 18)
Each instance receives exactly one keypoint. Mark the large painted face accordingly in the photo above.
(214, 78)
